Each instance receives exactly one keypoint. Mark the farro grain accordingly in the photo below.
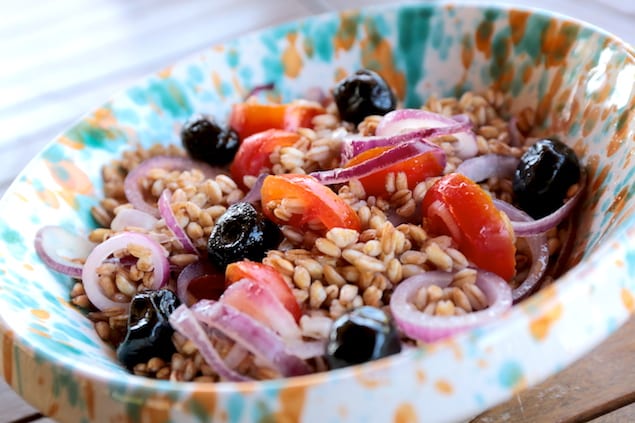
(438, 257)
(348, 293)
(333, 276)
(372, 296)
(317, 294)
(327, 247)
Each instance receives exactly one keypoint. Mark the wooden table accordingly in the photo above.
(61, 59)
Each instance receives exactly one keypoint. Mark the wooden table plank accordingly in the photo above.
(602, 381)
(621, 415)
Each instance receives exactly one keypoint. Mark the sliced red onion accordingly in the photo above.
(533, 227)
(104, 250)
(58, 247)
(166, 212)
(306, 349)
(133, 218)
(389, 157)
(253, 195)
(515, 137)
(401, 120)
(261, 341)
(260, 88)
(185, 322)
(428, 328)
(132, 182)
(354, 145)
(537, 243)
(487, 166)
(191, 272)
(251, 298)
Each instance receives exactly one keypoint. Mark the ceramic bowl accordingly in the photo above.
(578, 78)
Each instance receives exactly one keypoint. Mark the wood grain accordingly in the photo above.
(603, 381)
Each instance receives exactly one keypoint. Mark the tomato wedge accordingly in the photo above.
(253, 154)
(251, 117)
(457, 206)
(313, 203)
(416, 168)
(267, 277)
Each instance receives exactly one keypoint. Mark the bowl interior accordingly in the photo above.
(575, 79)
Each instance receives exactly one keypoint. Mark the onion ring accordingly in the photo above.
(427, 328)
(261, 341)
(131, 183)
(58, 247)
(184, 321)
(166, 212)
(389, 157)
(118, 242)
(483, 167)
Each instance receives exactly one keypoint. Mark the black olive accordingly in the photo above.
(362, 94)
(149, 331)
(543, 176)
(242, 232)
(364, 334)
(205, 140)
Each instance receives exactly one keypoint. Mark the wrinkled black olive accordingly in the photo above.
(207, 141)
(364, 334)
(362, 94)
(543, 176)
(149, 331)
(242, 232)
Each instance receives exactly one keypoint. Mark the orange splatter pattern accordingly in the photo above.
(292, 401)
(444, 387)
(291, 57)
(347, 32)
(540, 327)
(405, 413)
(628, 300)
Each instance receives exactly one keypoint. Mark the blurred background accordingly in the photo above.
(61, 59)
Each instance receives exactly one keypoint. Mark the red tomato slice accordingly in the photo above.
(458, 207)
(314, 202)
(267, 277)
(250, 118)
(416, 168)
(253, 154)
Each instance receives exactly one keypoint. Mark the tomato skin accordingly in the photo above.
(317, 201)
(250, 118)
(416, 168)
(481, 231)
(253, 153)
(267, 277)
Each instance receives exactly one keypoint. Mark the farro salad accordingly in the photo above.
(320, 233)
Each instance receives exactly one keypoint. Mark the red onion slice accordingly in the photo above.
(533, 227)
(487, 166)
(166, 212)
(389, 157)
(401, 120)
(104, 250)
(538, 247)
(133, 218)
(58, 247)
(354, 145)
(427, 328)
(191, 272)
(306, 349)
(253, 299)
(253, 195)
(184, 321)
(132, 182)
(261, 341)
